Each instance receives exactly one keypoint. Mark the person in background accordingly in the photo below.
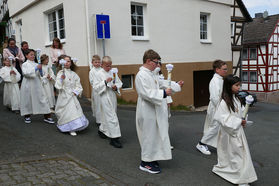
(11, 94)
(24, 48)
(56, 50)
(13, 51)
(95, 97)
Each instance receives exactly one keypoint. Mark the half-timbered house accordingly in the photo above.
(260, 66)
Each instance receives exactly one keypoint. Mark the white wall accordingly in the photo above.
(173, 30)
(35, 27)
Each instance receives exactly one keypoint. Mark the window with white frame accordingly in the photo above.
(204, 26)
(244, 76)
(56, 26)
(137, 19)
(245, 53)
(127, 81)
(253, 77)
(253, 53)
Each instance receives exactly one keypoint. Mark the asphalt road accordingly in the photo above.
(188, 166)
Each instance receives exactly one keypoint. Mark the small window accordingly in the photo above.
(244, 76)
(127, 81)
(56, 26)
(137, 20)
(253, 77)
(245, 53)
(253, 53)
(203, 26)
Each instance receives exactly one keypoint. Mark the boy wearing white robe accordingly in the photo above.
(32, 97)
(11, 77)
(152, 115)
(68, 110)
(95, 97)
(107, 88)
(211, 127)
(48, 80)
(234, 159)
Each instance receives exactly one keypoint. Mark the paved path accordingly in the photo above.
(22, 144)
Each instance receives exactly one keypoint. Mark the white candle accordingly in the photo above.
(249, 100)
(169, 69)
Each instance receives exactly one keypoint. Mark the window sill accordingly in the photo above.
(48, 44)
(140, 38)
(127, 89)
(206, 42)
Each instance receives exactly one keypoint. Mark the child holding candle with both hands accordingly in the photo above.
(234, 159)
(107, 86)
(68, 110)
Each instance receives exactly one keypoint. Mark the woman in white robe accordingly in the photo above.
(234, 159)
(104, 87)
(32, 97)
(48, 80)
(11, 77)
(95, 97)
(68, 110)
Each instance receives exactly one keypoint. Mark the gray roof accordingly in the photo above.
(259, 30)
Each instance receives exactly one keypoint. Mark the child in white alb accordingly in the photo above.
(11, 77)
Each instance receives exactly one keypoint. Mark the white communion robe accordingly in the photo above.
(48, 85)
(109, 120)
(32, 96)
(68, 110)
(234, 159)
(11, 96)
(152, 118)
(211, 127)
(95, 97)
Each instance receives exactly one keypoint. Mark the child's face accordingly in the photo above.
(68, 62)
(6, 62)
(96, 63)
(222, 71)
(106, 66)
(45, 62)
(235, 88)
(31, 56)
(56, 44)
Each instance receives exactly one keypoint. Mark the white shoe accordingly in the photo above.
(73, 133)
(243, 184)
(172, 147)
(203, 149)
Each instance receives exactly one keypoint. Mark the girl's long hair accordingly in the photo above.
(73, 66)
(227, 94)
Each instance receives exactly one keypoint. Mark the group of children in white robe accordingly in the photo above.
(36, 93)
(223, 127)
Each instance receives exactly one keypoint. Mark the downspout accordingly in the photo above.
(88, 34)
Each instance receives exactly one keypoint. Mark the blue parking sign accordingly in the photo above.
(103, 28)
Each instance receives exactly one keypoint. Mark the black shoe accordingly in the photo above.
(98, 124)
(150, 167)
(115, 142)
(102, 135)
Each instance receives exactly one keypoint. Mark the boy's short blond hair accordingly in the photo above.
(96, 57)
(106, 59)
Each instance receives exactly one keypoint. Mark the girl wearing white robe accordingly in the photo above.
(48, 80)
(109, 120)
(234, 159)
(11, 96)
(95, 97)
(68, 110)
(32, 97)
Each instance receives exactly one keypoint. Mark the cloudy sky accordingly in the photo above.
(255, 6)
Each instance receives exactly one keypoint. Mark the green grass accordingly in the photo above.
(181, 107)
(121, 101)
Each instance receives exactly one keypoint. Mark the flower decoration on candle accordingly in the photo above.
(13, 77)
(62, 62)
(114, 71)
(169, 69)
(75, 60)
(38, 56)
(249, 100)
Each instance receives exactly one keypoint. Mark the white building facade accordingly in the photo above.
(189, 34)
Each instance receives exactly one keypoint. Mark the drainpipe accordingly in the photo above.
(88, 34)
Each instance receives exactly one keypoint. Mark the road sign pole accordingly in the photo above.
(103, 40)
